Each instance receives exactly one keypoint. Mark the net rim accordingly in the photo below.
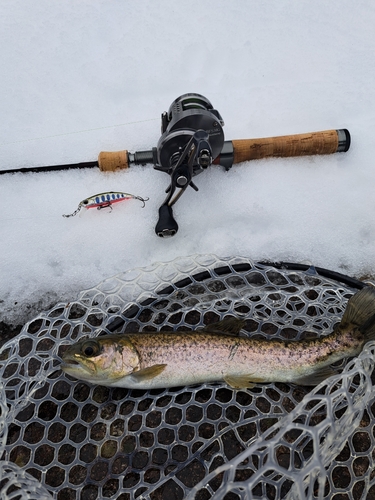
(118, 322)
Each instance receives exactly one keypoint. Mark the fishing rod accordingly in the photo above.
(192, 139)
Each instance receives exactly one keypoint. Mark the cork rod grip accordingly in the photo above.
(110, 161)
(325, 142)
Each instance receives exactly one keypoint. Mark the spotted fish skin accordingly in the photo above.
(168, 359)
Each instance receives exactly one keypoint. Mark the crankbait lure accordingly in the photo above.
(105, 200)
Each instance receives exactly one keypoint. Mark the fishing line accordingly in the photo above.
(78, 132)
(31, 218)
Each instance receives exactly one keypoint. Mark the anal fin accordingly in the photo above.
(242, 381)
(315, 378)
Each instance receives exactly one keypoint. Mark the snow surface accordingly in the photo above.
(82, 77)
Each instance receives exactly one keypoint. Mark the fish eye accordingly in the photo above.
(90, 348)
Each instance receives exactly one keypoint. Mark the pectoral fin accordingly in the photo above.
(242, 381)
(148, 373)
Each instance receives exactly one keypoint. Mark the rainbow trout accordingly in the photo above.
(217, 353)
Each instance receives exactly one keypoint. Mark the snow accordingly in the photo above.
(83, 77)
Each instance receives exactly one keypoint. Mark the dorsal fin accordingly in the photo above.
(360, 307)
(227, 326)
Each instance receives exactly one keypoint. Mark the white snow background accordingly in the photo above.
(81, 77)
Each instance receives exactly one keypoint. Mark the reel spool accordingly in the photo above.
(188, 114)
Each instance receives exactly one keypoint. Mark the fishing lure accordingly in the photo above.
(105, 200)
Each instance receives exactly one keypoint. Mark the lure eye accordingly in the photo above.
(85, 202)
(90, 348)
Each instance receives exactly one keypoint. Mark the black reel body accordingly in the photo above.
(187, 114)
(192, 138)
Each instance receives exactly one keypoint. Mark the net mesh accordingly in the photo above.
(68, 440)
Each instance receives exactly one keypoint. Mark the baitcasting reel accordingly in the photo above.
(192, 137)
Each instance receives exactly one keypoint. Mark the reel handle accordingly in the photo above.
(166, 226)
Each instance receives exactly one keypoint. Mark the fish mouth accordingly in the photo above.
(71, 366)
(67, 364)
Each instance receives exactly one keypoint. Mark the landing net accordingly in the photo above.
(68, 440)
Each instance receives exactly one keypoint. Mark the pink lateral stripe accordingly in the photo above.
(106, 203)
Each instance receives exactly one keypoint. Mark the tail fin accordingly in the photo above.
(360, 312)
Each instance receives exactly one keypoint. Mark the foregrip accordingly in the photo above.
(110, 161)
(117, 160)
